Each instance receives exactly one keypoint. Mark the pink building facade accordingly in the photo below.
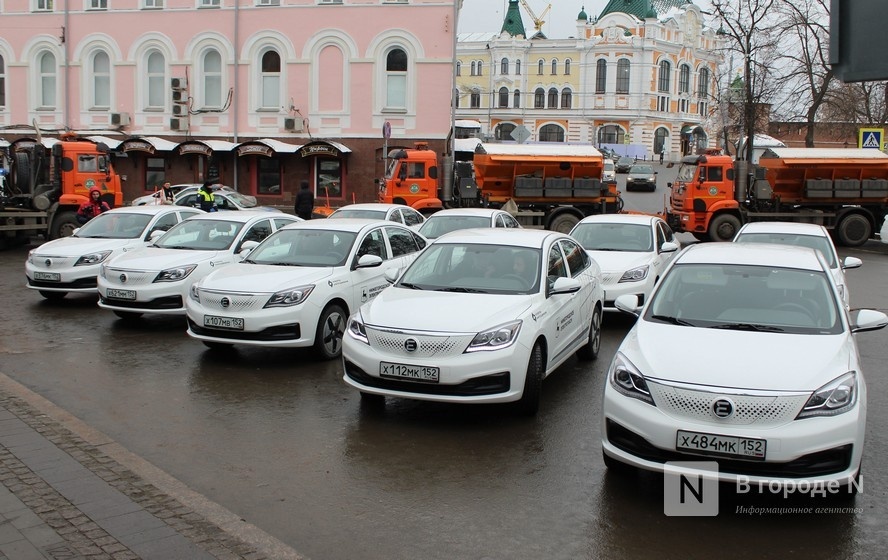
(259, 93)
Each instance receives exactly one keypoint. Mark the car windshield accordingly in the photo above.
(746, 297)
(201, 235)
(304, 247)
(614, 237)
(813, 241)
(112, 225)
(642, 170)
(608, 166)
(358, 213)
(625, 161)
(475, 268)
(436, 226)
(240, 200)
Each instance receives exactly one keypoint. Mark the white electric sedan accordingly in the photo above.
(400, 213)
(804, 235)
(156, 279)
(452, 219)
(298, 287)
(71, 264)
(744, 356)
(481, 316)
(632, 250)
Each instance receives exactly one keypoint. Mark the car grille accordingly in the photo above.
(757, 410)
(80, 283)
(486, 385)
(39, 261)
(236, 302)
(611, 278)
(821, 463)
(277, 333)
(428, 346)
(133, 277)
(160, 304)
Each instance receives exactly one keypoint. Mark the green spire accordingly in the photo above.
(513, 24)
(582, 15)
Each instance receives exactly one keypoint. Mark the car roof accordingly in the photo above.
(501, 236)
(238, 216)
(643, 219)
(371, 206)
(345, 224)
(468, 212)
(761, 254)
(147, 209)
(784, 227)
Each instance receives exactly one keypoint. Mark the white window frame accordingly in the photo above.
(42, 6)
(663, 103)
(392, 78)
(268, 2)
(152, 78)
(96, 4)
(260, 100)
(93, 81)
(47, 82)
(2, 81)
(209, 3)
(152, 4)
(206, 75)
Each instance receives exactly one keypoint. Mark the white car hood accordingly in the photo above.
(738, 359)
(155, 258)
(619, 261)
(442, 311)
(77, 246)
(257, 278)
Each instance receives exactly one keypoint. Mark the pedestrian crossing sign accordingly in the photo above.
(870, 138)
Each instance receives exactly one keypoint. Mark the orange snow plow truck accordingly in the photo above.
(546, 185)
(845, 190)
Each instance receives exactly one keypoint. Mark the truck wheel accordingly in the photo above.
(63, 225)
(563, 223)
(854, 230)
(21, 177)
(724, 227)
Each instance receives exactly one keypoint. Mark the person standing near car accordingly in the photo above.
(205, 197)
(166, 194)
(304, 201)
(92, 208)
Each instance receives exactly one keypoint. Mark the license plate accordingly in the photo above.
(232, 323)
(48, 276)
(120, 294)
(403, 371)
(747, 448)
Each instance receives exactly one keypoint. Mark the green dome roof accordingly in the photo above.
(512, 24)
(642, 9)
(582, 15)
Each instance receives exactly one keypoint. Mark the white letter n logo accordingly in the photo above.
(690, 488)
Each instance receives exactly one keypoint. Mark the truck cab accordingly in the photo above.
(411, 178)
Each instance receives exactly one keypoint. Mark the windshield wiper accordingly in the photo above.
(672, 320)
(410, 286)
(461, 290)
(747, 327)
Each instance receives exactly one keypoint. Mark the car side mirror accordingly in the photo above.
(851, 262)
(668, 247)
(391, 275)
(863, 320)
(368, 261)
(155, 235)
(247, 247)
(627, 303)
(564, 285)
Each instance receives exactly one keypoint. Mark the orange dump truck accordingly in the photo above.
(845, 190)
(548, 185)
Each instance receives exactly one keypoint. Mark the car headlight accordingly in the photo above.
(174, 274)
(836, 397)
(495, 338)
(92, 258)
(31, 256)
(636, 274)
(627, 380)
(356, 328)
(194, 292)
(629, 179)
(293, 296)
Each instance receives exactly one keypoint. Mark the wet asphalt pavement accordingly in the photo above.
(276, 437)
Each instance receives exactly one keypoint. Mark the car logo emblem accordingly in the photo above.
(48, 262)
(123, 278)
(225, 302)
(723, 408)
(411, 345)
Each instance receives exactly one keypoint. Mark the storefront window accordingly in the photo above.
(329, 173)
(155, 173)
(269, 176)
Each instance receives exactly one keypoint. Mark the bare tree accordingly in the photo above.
(750, 28)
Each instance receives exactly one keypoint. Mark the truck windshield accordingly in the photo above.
(686, 172)
(390, 168)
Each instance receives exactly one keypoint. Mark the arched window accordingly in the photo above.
(611, 134)
(504, 67)
(684, 79)
(212, 78)
(155, 96)
(554, 66)
(601, 76)
(516, 102)
(480, 68)
(566, 98)
(553, 98)
(503, 97)
(2, 83)
(473, 68)
(539, 98)
(458, 68)
(475, 99)
(396, 79)
(660, 137)
(623, 75)
(503, 131)
(46, 63)
(540, 67)
(517, 67)
(270, 80)
(456, 97)
(551, 133)
(663, 78)
(567, 67)
(101, 81)
(703, 83)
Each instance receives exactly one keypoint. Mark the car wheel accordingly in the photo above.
(128, 315)
(53, 296)
(529, 403)
(589, 351)
(328, 337)
(212, 345)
